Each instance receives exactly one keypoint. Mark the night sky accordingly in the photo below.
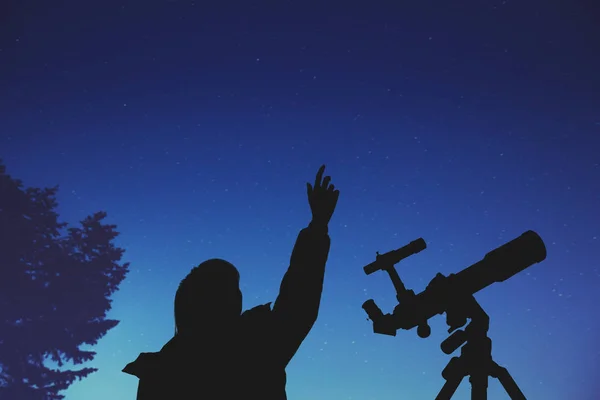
(196, 128)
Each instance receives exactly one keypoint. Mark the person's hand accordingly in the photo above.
(322, 198)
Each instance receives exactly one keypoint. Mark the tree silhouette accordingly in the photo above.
(55, 288)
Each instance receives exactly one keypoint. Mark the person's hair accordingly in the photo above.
(193, 284)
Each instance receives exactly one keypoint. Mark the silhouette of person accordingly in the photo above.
(217, 351)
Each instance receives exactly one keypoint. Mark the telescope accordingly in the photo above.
(453, 295)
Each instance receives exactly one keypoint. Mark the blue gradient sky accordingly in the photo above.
(197, 127)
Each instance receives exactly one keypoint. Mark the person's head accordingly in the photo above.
(208, 297)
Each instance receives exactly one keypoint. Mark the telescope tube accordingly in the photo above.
(502, 263)
(496, 266)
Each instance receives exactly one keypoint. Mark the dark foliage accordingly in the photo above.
(55, 289)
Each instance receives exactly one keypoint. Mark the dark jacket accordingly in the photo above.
(249, 362)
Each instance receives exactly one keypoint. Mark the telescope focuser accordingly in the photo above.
(384, 323)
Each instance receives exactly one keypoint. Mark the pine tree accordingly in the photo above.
(55, 289)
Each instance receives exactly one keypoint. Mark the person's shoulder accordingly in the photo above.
(143, 364)
(258, 314)
(260, 310)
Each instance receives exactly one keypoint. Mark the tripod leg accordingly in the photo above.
(453, 374)
(479, 386)
(507, 382)
(448, 389)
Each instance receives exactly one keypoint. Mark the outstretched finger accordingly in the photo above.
(331, 188)
(319, 176)
(326, 182)
(309, 189)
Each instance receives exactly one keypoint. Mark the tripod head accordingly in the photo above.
(448, 293)
(456, 317)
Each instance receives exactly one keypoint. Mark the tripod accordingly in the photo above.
(475, 358)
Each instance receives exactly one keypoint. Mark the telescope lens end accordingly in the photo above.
(538, 247)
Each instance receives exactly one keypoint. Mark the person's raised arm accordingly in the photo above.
(297, 306)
